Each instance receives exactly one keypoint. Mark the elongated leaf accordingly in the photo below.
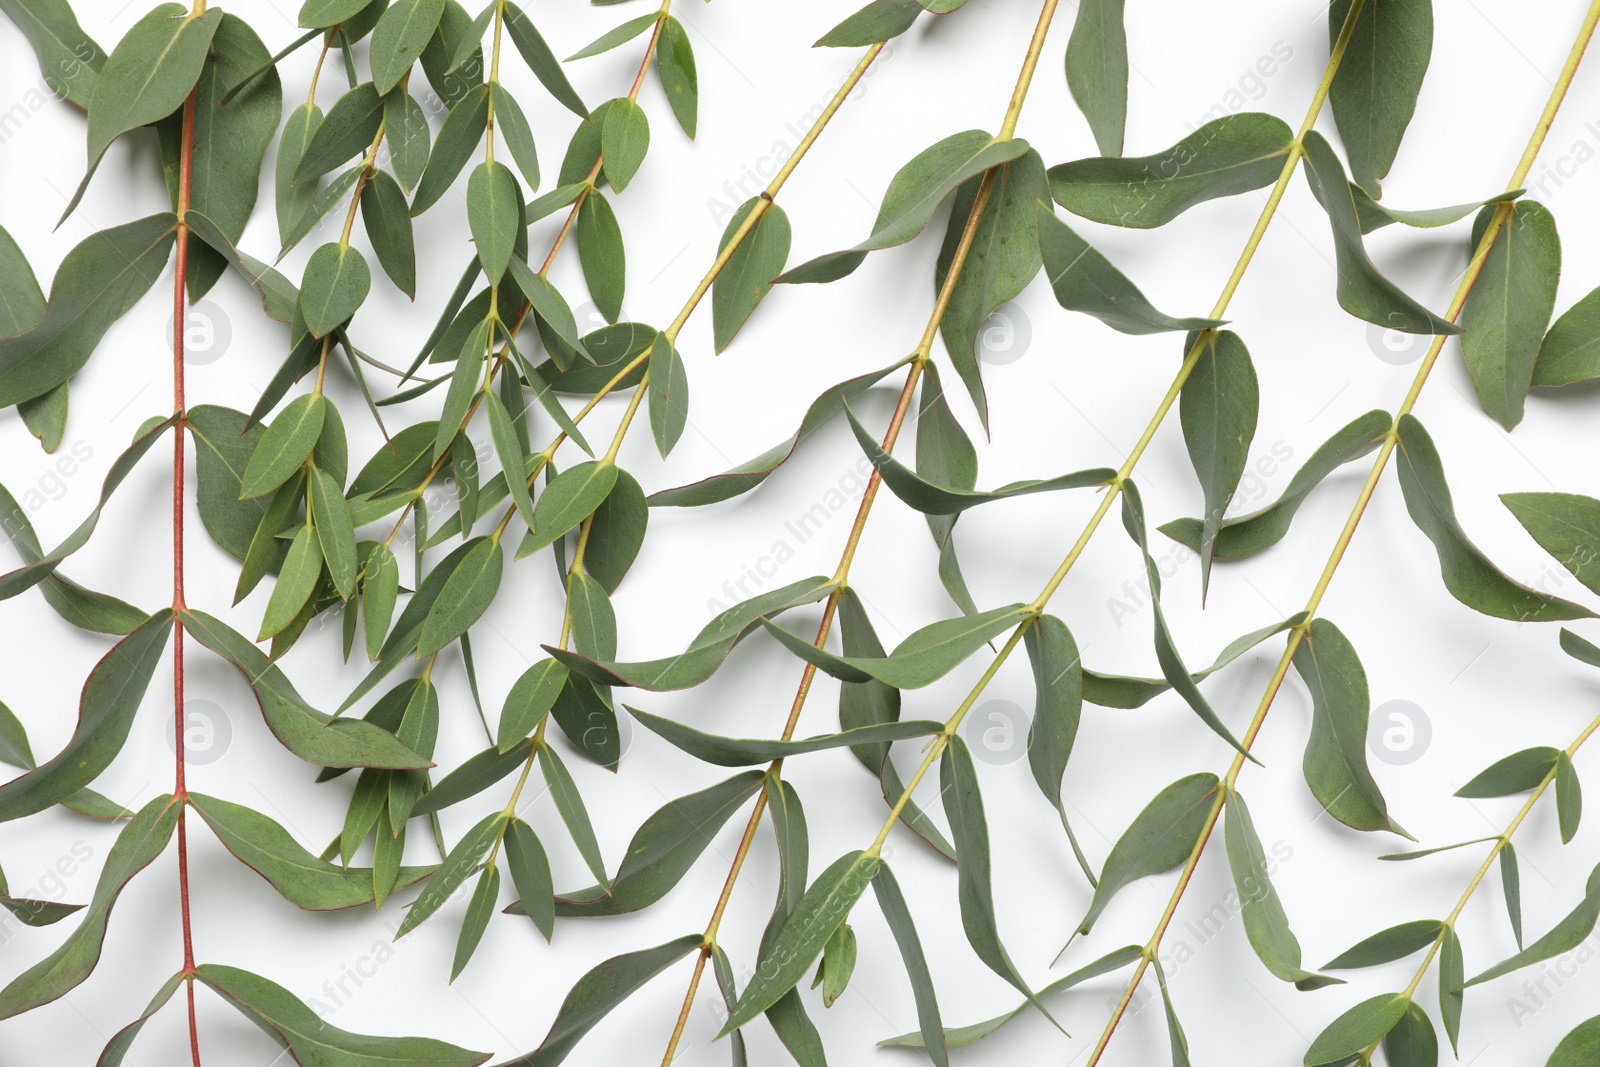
(110, 698)
(1362, 289)
(1121, 691)
(344, 134)
(1570, 352)
(466, 595)
(304, 880)
(1374, 91)
(1452, 975)
(748, 475)
(1265, 921)
(379, 590)
(69, 60)
(1579, 1047)
(617, 532)
(1336, 754)
(1412, 1042)
(934, 499)
(140, 842)
(540, 59)
(1161, 837)
(799, 941)
(1467, 573)
(669, 394)
(1566, 525)
(598, 993)
(297, 581)
(1355, 1030)
(479, 910)
(1058, 685)
(103, 276)
(601, 254)
(1375, 216)
(1097, 71)
(569, 802)
(311, 1039)
(675, 65)
(1386, 946)
(458, 139)
(1218, 409)
(399, 38)
(898, 915)
(663, 849)
(116, 1049)
(335, 534)
(914, 194)
(1567, 934)
(308, 733)
(624, 140)
(1084, 280)
(1509, 307)
(924, 657)
(284, 446)
(1249, 534)
(1569, 798)
(1511, 884)
(459, 864)
(747, 276)
(735, 752)
(1516, 773)
(494, 211)
(387, 218)
(1225, 157)
(880, 20)
(530, 874)
(149, 73)
(614, 37)
(293, 199)
(472, 777)
(572, 496)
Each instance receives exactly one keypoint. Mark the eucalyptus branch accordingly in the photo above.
(1297, 633)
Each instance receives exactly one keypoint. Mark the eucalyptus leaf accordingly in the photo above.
(1375, 87)
(1097, 70)
(737, 752)
(1566, 525)
(1160, 838)
(880, 20)
(458, 138)
(1266, 923)
(601, 253)
(925, 656)
(1218, 408)
(1353, 1032)
(1508, 309)
(401, 34)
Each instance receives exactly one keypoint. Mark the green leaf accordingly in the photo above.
(1265, 922)
(914, 194)
(594, 621)
(1516, 773)
(1395, 943)
(1176, 1038)
(569, 802)
(379, 590)
(746, 278)
(1569, 798)
(1362, 289)
(924, 657)
(465, 382)
(624, 140)
(748, 475)
(601, 254)
(308, 733)
(675, 65)
(1121, 691)
(969, 829)
(1058, 684)
(494, 212)
(548, 304)
(346, 133)
(669, 394)
(1569, 352)
(458, 139)
(293, 200)
(402, 33)
(1336, 753)
(479, 909)
(598, 992)
(405, 128)
(100, 279)
(224, 442)
(1451, 977)
(1511, 883)
(284, 446)
(1161, 838)
(140, 842)
(1580, 1046)
(116, 1049)
(1375, 216)
(335, 534)
(1002, 259)
(663, 849)
(614, 37)
(801, 938)
(110, 698)
(1225, 157)
(509, 449)
(616, 532)
(149, 73)
(387, 219)
(311, 1039)
(322, 13)
(1218, 409)
(1509, 306)
(1172, 666)
(881, 20)
(1362, 1026)
(571, 497)
(1566, 525)
(297, 580)
(458, 866)
(472, 777)
(1571, 931)
(1412, 1042)
(69, 60)
(304, 880)
(1258, 531)
(1375, 88)
(957, 1036)
(738, 752)
(1467, 573)
(946, 459)
(1085, 281)
(1097, 71)
(709, 648)
(46, 416)
(895, 912)
(336, 283)
(466, 595)
(540, 59)
(513, 126)
(838, 963)
(530, 875)
(1579, 649)
(530, 698)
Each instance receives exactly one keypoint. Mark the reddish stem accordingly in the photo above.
(180, 789)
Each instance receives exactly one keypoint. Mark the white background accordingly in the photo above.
(1073, 394)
